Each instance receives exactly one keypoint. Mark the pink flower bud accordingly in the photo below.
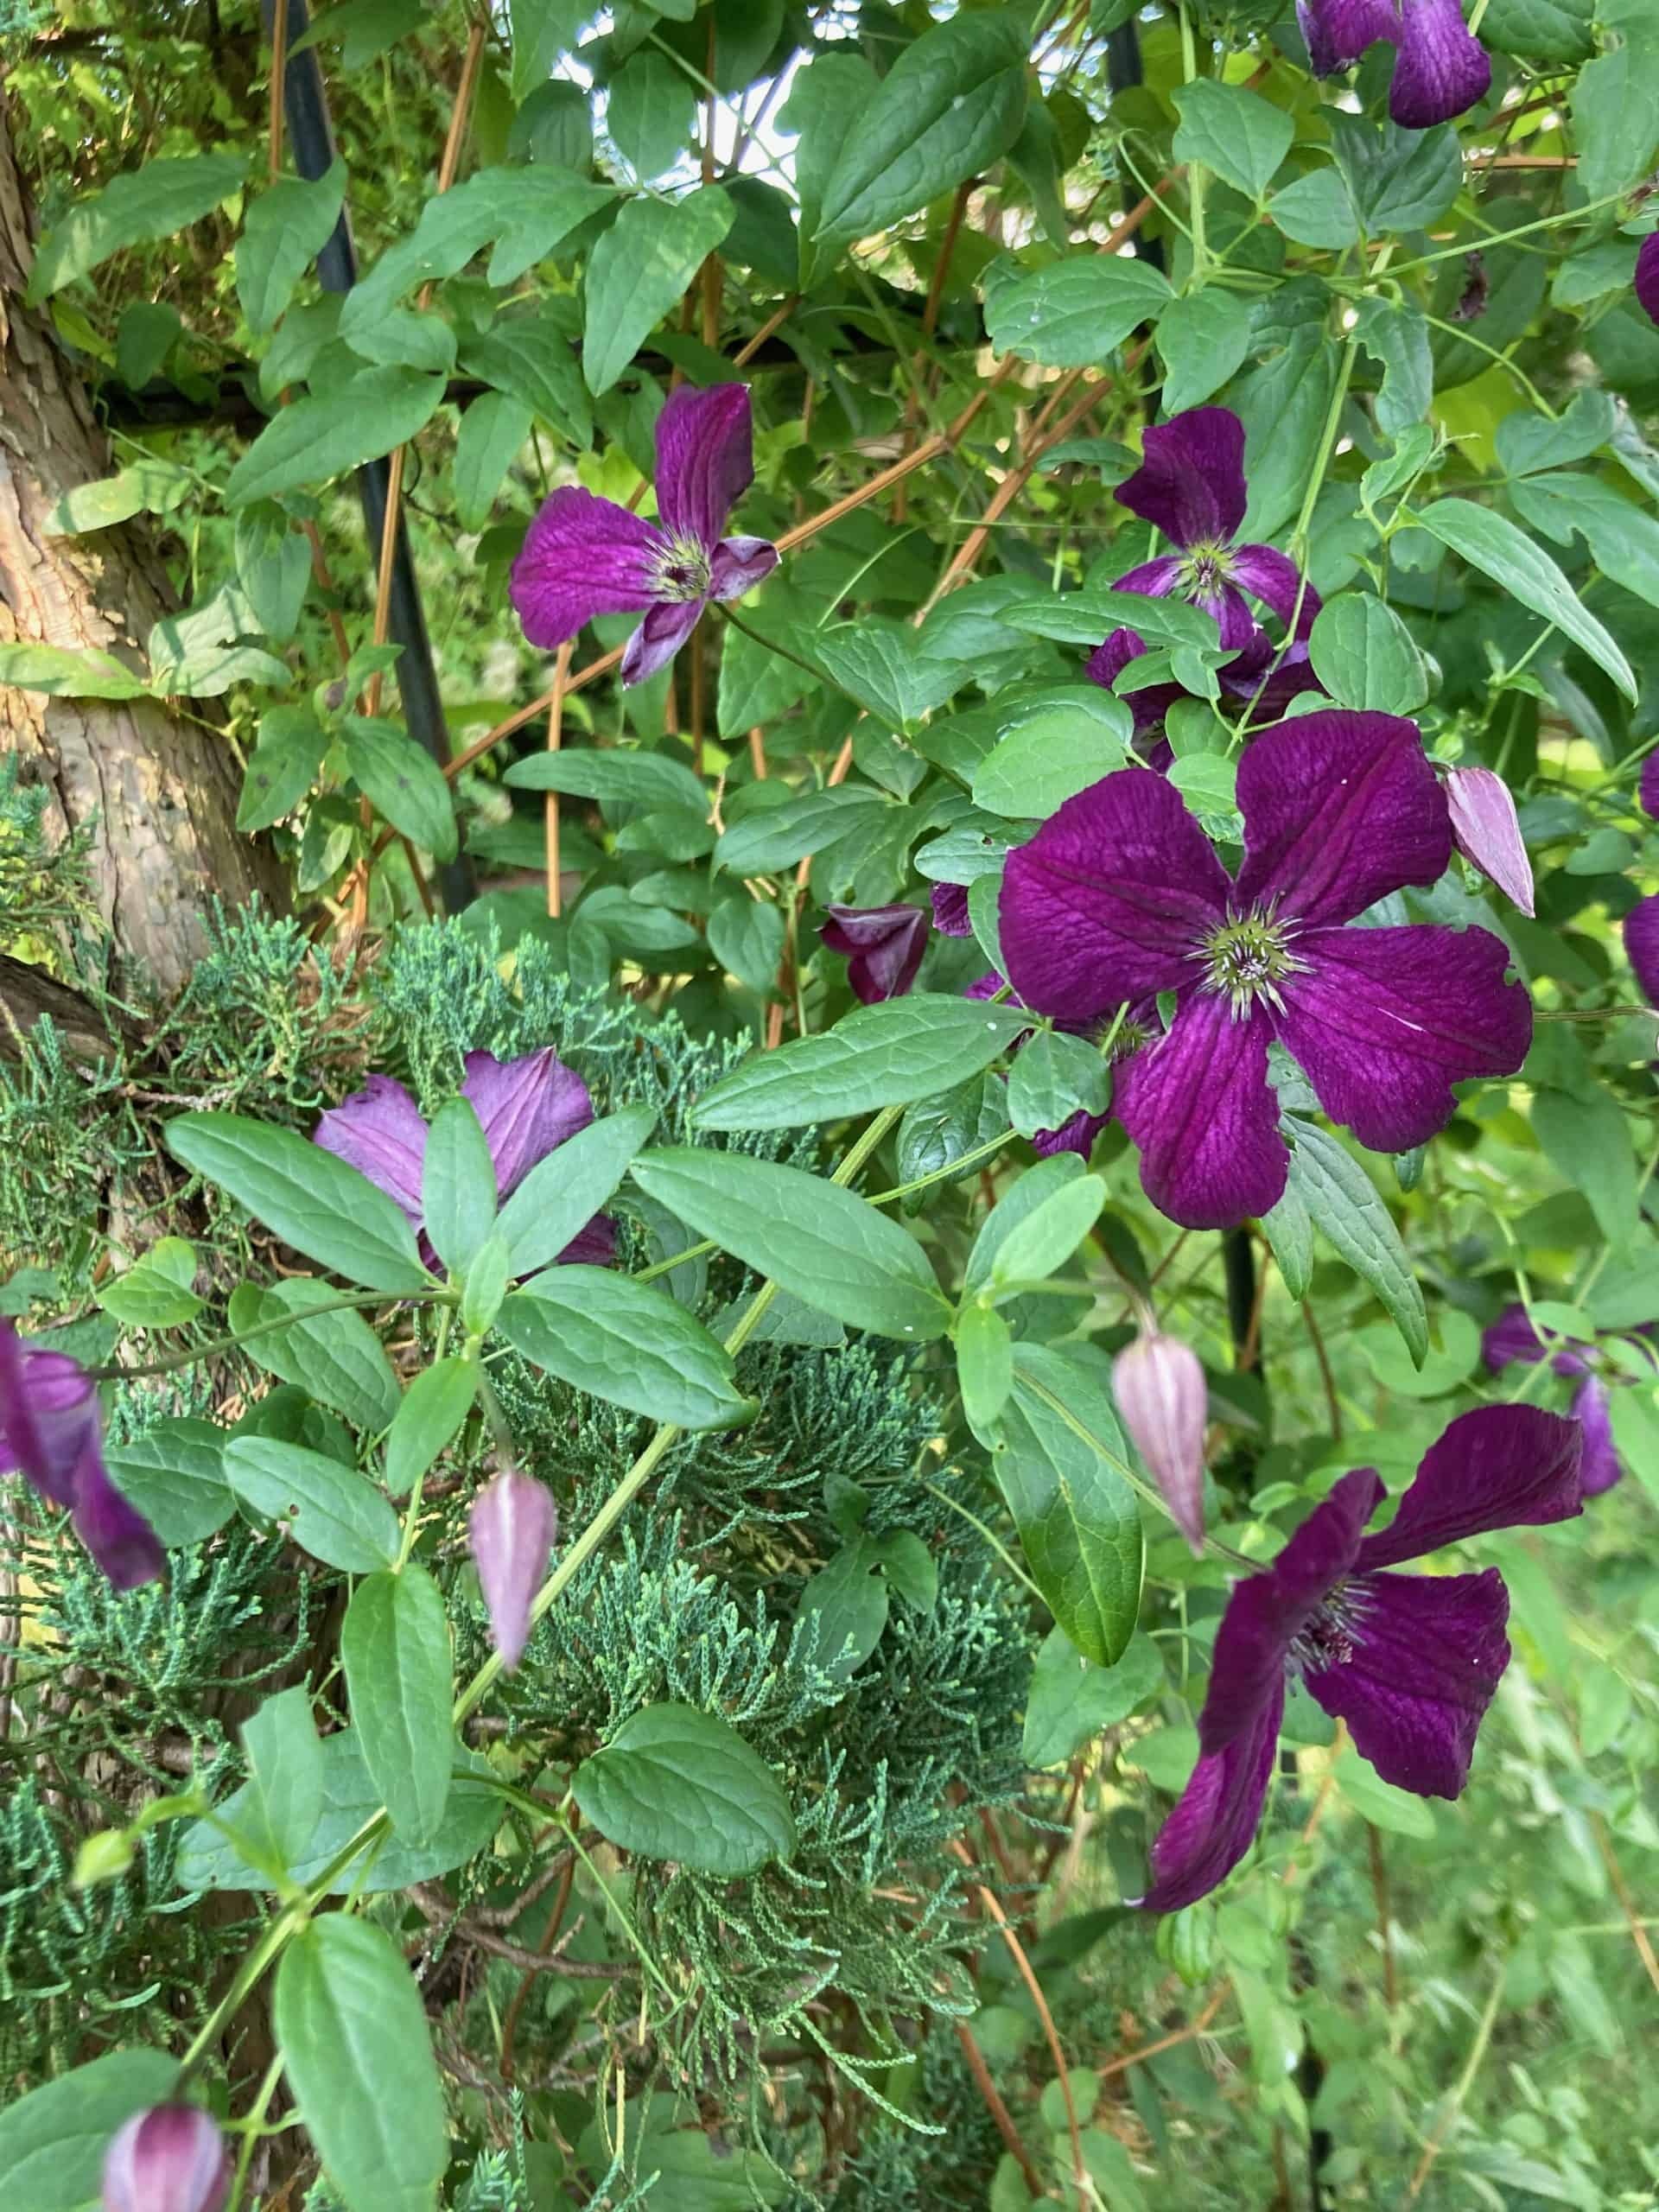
(1486, 832)
(171, 2158)
(1159, 1388)
(514, 1523)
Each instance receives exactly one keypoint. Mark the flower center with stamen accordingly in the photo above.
(681, 569)
(1207, 567)
(1247, 959)
(1329, 1638)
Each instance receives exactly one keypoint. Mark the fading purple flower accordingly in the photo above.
(585, 555)
(512, 1527)
(1512, 1341)
(883, 946)
(1120, 896)
(1440, 68)
(1647, 293)
(1408, 1662)
(1158, 1385)
(52, 1433)
(949, 904)
(172, 2158)
(1641, 946)
(527, 1107)
(1486, 831)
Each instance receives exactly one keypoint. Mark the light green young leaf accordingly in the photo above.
(322, 436)
(157, 201)
(638, 269)
(1238, 134)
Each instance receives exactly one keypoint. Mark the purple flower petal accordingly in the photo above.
(738, 564)
(1215, 1822)
(527, 1107)
(1339, 809)
(1268, 677)
(949, 904)
(593, 1247)
(122, 1545)
(1277, 582)
(705, 459)
(583, 556)
(1191, 483)
(1076, 1133)
(1422, 1658)
(379, 1131)
(1647, 787)
(1486, 830)
(1384, 1022)
(48, 1415)
(1641, 946)
(1338, 32)
(1442, 67)
(883, 946)
(1153, 579)
(1498, 1467)
(1601, 1466)
(513, 1525)
(1107, 663)
(1107, 900)
(1198, 1104)
(1512, 1340)
(1239, 628)
(172, 2158)
(659, 637)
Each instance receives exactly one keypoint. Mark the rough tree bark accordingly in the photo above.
(163, 790)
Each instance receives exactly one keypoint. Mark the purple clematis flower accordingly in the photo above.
(1119, 897)
(51, 1431)
(949, 903)
(1440, 68)
(1641, 946)
(585, 555)
(1409, 1661)
(1647, 784)
(527, 1107)
(171, 2158)
(1512, 1341)
(1647, 293)
(883, 947)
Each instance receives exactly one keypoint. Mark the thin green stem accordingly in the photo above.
(1503, 237)
(251, 2129)
(285, 1320)
(1195, 175)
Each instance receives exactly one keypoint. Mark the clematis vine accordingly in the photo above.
(51, 1433)
(1440, 68)
(1512, 1341)
(584, 555)
(1190, 486)
(883, 946)
(527, 1109)
(1410, 1663)
(1120, 896)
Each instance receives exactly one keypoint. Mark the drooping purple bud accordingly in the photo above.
(171, 2158)
(883, 944)
(514, 1522)
(51, 1433)
(1159, 1388)
(950, 902)
(1647, 275)
(1486, 832)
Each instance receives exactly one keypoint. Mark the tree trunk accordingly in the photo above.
(163, 791)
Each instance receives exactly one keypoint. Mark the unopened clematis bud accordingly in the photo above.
(883, 944)
(1485, 831)
(514, 1523)
(1159, 1388)
(171, 2158)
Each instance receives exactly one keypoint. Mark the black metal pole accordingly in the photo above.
(311, 134)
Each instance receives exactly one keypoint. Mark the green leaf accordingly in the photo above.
(352, 2031)
(273, 566)
(354, 420)
(1344, 1205)
(336, 1515)
(1366, 657)
(1071, 314)
(542, 30)
(335, 1357)
(63, 674)
(937, 1131)
(434, 1406)
(280, 1802)
(1623, 541)
(1072, 1701)
(639, 271)
(493, 431)
(148, 487)
(531, 211)
(880, 664)
(157, 201)
(1587, 1140)
(1316, 210)
(615, 779)
(1397, 338)
(1527, 442)
(1380, 1803)
(747, 937)
(283, 232)
(562, 1193)
(1203, 337)
(1238, 134)
(53, 2141)
(173, 1475)
(282, 767)
(1048, 1235)
(622, 1341)
(534, 363)
(399, 1677)
(1399, 180)
(486, 1285)
(830, 1247)
(777, 836)
(951, 104)
(1052, 756)
(403, 782)
(1492, 544)
(1054, 1077)
(364, 30)
(849, 1597)
(1617, 119)
(1290, 1230)
(674, 1782)
(155, 1291)
(828, 100)
(1283, 406)
(314, 1202)
(984, 1367)
(1024, 1197)
(1078, 1520)
(884, 1055)
(1556, 31)
(653, 106)
(457, 1195)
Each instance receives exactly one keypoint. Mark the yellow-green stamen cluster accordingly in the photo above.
(1248, 959)
(682, 569)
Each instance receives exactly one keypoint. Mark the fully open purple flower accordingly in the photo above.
(1512, 1341)
(527, 1107)
(52, 1434)
(1439, 70)
(883, 947)
(585, 555)
(1119, 897)
(1409, 1661)
(171, 2158)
